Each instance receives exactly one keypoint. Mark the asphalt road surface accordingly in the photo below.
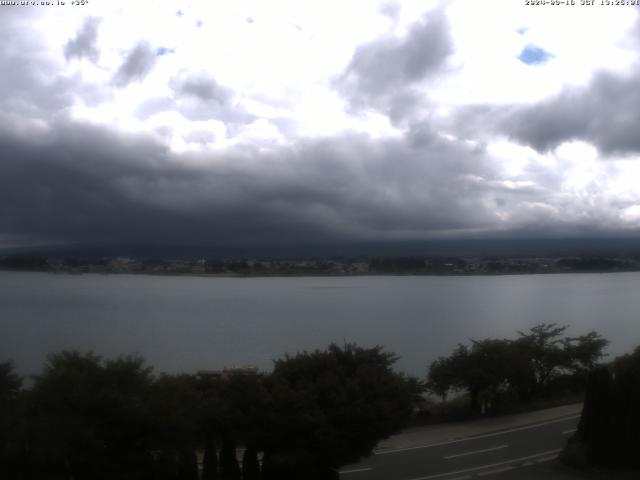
(471, 457)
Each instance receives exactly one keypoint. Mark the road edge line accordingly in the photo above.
(475, 437)
(498, 464)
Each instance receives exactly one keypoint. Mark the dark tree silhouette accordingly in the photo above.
(210, 459)
(229, 467)
(250, 464)
(87, 417)
(331, 407)
(595, 420)
(90, 418)
(10, 444)
(174, 404)
(609, 428)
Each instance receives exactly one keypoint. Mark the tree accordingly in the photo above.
(88, 418)
(585, 351)
(24, 262)
(446, 374)
(595, 420)
(543, 346)
(10, 416)
(328, 408)
(250, 464)
(229, 467)
(210, 459)
(625, 413)
(551, 355)
(500, 369)
(482, 370)
(10, 382)
(174, 405)
(232, 412)
(609, 428)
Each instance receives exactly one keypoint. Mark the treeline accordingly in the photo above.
(495, 373)
(609, 430)
(24, 262)
(85, 417)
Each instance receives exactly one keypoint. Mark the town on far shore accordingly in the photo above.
(361, 265)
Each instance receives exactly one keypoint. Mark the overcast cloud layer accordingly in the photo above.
(297, 122)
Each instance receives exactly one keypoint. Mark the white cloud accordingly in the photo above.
(291, 50)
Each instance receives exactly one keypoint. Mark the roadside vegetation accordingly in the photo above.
(86, 417)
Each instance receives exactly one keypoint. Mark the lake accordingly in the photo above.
(187, 323)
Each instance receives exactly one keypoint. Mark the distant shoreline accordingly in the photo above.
(235, 267)
(320, 275)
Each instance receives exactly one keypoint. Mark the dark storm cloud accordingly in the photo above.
(386, 68)
(136, 66)
(605, 113)
(77, 182)
(83, 45)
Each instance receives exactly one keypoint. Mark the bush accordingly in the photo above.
(609, 428)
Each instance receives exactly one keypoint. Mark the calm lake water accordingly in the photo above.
(191, 323)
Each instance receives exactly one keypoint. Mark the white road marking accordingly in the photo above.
(476, 451)
(567, 432)
(496, 470)
(466, 439)
(498, 464)
(486, 473)
(546, 459)
(355, 470)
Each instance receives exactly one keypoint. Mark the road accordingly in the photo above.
(466, 458)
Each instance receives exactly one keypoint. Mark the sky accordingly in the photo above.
(305, 122)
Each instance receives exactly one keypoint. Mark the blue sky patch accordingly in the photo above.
(522, 30)
(532, 55)
(163, 51)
